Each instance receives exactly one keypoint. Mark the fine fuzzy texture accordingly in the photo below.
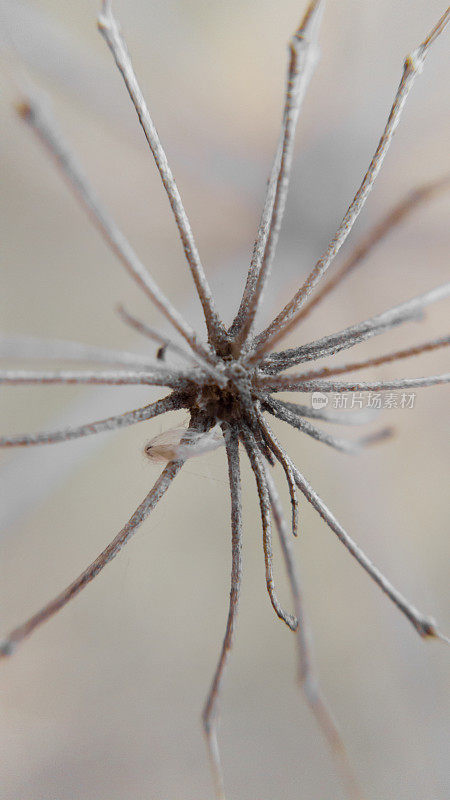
(229, 384)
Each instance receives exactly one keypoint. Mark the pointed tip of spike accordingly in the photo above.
(309, 26)
(7, 648)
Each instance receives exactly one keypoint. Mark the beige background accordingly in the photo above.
(103, 703)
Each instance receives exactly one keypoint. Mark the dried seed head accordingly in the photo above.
(230, 381)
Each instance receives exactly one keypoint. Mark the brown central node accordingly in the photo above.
(219, 403)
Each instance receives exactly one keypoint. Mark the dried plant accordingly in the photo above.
(230, 383)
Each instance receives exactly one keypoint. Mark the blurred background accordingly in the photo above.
(104, 701)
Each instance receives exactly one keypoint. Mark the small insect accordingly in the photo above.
(179, 444)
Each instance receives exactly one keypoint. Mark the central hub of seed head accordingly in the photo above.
(223, 402)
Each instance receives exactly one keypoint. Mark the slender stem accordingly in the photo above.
(425, 626)
(355, 334)
(169, 403)
(287, 318)
(306, 673)
(292, 383)
(153, 334)
(250, 445)
(260, 243)
(35, 348)
(303, 57)
(45, 128)
(23, 631)
(250, 409)
(286, 463)
(210, 711)
(360, 417)
(146, 378)
(110, 31)
(344, 445)
(397, 355)
(375, 236)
